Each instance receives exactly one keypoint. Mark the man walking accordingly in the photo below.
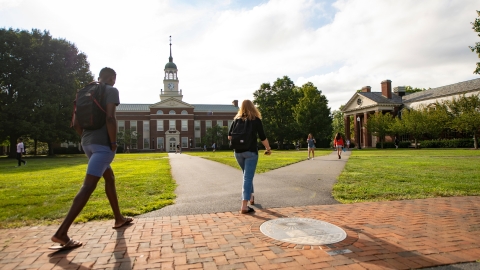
(20, 151)
(100, 146)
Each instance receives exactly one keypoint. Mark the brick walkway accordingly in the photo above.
(384, 235)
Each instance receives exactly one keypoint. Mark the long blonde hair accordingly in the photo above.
(248, 111)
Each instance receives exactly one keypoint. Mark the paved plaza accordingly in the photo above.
(407, 234)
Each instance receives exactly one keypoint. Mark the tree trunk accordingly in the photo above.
(50, 149)
(475, 143)
(416, 145)
(13, 148)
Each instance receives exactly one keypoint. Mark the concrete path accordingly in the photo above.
(206, 186)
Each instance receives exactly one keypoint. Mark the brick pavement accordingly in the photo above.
(382, 235)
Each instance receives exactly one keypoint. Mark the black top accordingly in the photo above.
(257, 128)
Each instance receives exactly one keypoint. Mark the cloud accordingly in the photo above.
(226, 49)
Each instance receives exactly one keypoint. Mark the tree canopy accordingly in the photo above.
(290, 113)
(476, 48)
(39, 76)
(465, 112)
(379, 125)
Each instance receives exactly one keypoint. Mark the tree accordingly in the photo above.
(476, 48)
(338, 125)
(312, 114)
(436, 119)
(38, 79)
(277, 103)
(410, 90)
(379, 125)
(466, 115)
(126, 137)
(216, 134)
(414, 123)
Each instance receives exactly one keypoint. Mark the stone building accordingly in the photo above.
(170, 122)
(365, 103)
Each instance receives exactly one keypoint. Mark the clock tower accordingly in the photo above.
(170, 81)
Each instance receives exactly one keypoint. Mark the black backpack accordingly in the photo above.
(90, 106)
(241, 134)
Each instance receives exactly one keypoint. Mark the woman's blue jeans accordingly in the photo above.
(248, 162)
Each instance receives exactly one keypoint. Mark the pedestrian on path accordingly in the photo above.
(248, 159)
(213, 146)
(100, 146)
(338, 144)
(311, 145)
(20, 151)
(348, 144)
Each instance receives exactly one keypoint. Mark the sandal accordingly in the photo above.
(127, 221)
(249, 210)
(71, 244)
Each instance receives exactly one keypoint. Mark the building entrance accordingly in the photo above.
(172, 144)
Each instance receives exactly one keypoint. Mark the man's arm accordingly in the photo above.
(77, 126)
(112, 125)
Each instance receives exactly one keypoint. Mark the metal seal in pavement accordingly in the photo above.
(303, 231)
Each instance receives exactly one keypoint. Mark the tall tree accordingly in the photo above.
(476, 48)
(38, 79)
(466, 115)
(436, 119)
(277, 103)
(126, 137)
(216, 134)
(415, 123)
(313, 114)
(379, 125)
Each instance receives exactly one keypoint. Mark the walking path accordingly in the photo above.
(381, 235)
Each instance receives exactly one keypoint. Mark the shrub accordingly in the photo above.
(392, 145)
(454, 143)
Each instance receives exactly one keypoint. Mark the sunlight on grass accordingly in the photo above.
(276, 160)
(43, 191)
(396, 174)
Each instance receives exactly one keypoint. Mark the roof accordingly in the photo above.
(198, 108)
(133, 108)
(171, 65)
(447, 90)
(215, 108)
(380, 99)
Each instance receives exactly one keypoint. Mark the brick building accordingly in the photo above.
(365, 103)
(163, 125)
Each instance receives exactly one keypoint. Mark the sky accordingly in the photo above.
(225, 49)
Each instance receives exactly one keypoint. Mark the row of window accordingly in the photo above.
(172, 126)
(172, 112)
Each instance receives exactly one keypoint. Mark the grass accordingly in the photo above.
(277, 159)
(43, 191)
(397, 174)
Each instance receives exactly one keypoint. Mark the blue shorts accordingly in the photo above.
(99, 158)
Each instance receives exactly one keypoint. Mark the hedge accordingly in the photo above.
(454, 143)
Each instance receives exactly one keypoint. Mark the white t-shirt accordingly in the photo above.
(20, 147)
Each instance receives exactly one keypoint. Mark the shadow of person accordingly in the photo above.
(59, 259)
(120, 252)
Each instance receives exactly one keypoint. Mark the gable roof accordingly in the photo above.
(197, 108)
(447, 90)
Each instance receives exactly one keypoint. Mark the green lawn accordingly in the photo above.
(277, 159)
(42, 191)
(397, 174)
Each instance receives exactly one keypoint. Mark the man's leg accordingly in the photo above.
(111, 192)
(19, 158)
(80, 200)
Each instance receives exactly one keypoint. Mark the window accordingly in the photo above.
(184, 125)
(133, 129)
(208, 124)
(160, 143)
(159, 112)
(146, 134)
(184, 142)
(220, 123)
(198, 142)
(184, 112)
(159, 125)
(121, 125)
(172, 125)
(171, 112)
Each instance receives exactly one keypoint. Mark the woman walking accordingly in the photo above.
(338, 143)
(248, 159)
(311, 145)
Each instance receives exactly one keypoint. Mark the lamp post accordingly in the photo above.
(359, 133)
